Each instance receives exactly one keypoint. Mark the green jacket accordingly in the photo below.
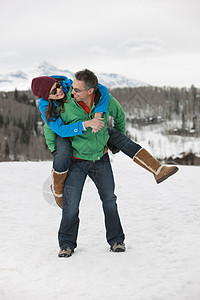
(89, 146)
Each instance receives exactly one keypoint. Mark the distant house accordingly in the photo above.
(186, 159)
(138, 108)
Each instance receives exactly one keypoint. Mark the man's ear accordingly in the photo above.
(91, 91)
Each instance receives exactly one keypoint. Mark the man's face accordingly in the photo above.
(79, 91)
(56, 92)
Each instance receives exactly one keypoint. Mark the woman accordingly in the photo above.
(53, 92)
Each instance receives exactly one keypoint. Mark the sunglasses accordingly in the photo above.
(77, 90)
(54, 91)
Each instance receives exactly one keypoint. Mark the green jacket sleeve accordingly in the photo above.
(117, 112)
(50, 137)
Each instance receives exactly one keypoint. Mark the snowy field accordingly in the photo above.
(161, 223)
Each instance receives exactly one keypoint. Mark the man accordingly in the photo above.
(90, 158)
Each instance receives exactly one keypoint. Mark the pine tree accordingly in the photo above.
(16, 96)
(7, 151)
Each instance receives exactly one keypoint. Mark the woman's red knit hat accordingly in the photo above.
(41, 86)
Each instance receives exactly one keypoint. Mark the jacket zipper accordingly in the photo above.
(89, 117)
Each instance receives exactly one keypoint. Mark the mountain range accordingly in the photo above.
(21, 80)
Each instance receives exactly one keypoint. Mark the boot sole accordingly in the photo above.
(118, 250)
(65, 255)
(168, 175)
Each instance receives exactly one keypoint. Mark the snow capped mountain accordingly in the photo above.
(45, 69)
(22, 79)
(114, 80)
(12, 77)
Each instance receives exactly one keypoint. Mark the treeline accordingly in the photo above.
(21, 126)
(144, 104)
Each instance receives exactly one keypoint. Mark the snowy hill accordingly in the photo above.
(162, 228)
(163, 146)
(22, 79)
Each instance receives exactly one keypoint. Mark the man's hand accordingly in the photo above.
(97, 116)
(96, 124)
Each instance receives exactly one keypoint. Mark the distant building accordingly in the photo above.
(138, 109)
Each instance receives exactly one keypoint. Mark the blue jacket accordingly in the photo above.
(77, 128)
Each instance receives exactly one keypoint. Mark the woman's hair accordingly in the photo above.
(51, 114)
(89, 78)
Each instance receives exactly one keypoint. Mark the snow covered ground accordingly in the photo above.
(161, 222)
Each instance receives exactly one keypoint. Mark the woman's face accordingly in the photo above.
(56, 92)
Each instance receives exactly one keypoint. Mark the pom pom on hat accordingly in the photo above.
(41, 86)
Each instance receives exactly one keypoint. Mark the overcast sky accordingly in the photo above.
(156, 41)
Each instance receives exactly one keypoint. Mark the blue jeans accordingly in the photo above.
(63, 156)
(101, 174)
(117, 140)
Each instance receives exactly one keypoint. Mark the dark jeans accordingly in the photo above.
(63, 156)
(121, 142)
(101, 173)
(117, 140)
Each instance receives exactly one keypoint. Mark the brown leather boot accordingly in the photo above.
(148, 162)
(58, 183)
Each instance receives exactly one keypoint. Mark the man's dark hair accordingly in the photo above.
(89, 78)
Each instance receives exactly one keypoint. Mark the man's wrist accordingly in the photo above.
(98, 115)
